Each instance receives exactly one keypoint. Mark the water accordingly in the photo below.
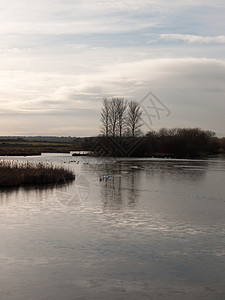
(153, 230)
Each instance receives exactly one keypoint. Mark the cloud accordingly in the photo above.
(183, 82)
(70, 9)
(103, 25)
(78, 17)
(192, 39)
(193, 89)
(59, 58)
(72, 17)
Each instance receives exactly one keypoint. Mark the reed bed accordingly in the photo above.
(15, 173)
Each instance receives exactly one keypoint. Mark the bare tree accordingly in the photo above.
(134, 118)
(118, 115)
(109, 116)
(121, 111)
(105, 117)
(113, 116)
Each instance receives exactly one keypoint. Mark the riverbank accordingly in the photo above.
(14, 174)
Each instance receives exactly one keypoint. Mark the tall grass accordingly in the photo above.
(26, 173)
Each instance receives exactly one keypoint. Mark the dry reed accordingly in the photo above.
(27, 173)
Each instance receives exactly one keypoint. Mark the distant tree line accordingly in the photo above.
(174, 143)
(221, 144)
(179, 142)
(120, 117)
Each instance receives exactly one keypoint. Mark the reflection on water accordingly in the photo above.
(152, 229)
(119, 192)
(117, 198)
(76, 194)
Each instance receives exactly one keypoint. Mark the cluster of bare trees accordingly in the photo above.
(181, 142)
(120, 117)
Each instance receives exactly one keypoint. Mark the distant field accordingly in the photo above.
(25, 148)
(31, 143)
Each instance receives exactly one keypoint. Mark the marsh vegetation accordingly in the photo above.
(14, 173)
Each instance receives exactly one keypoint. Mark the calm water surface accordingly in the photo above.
(153, 230)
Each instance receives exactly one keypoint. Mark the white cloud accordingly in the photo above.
(193, 89)
(103, 25)
(194, 38)
(91, 16)
(77, 46)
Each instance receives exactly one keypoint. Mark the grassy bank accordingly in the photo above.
(18, 173)
(34, 148)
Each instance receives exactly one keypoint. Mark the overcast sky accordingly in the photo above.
(59, 58)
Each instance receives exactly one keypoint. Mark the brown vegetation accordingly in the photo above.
(181, 142)
(174, 143)
(25, 173)
(221, 143)
(35, 148)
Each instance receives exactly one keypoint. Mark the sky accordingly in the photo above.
(60, 58)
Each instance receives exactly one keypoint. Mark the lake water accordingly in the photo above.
(155, 229)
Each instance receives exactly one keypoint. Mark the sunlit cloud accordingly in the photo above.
(105, 25)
